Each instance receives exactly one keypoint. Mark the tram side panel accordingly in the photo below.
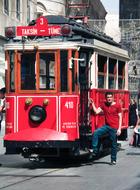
(68, 116)
(97, 120)
(10, 114)
(123, 99)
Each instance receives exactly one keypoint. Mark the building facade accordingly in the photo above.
(13, 13)
(21, 12)
(129, 16)
(75, 9)
(92, 10)
(47, 7)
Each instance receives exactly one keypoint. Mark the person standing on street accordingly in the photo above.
(133, 114)
(2, 104)
(133, 122)
(113, 121)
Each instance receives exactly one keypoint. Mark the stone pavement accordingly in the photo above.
(2, 133)
(126, 142)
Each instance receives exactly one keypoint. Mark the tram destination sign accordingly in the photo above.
(40, 29)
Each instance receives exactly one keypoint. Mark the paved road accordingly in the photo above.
(2, 149)
(18, 173)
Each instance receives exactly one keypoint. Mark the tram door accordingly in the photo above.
(84, 91)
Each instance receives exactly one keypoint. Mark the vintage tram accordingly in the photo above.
(54, 66)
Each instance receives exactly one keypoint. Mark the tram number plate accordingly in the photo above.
(69, 105)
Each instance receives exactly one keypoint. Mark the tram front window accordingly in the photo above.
(121, 74)
(112, 73)
(64, 70)
(102, 70)
(28, 71)
(12, 71)
(47, 71)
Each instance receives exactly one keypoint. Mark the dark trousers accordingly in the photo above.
(136, 139)
(105, 129)
(1, 118)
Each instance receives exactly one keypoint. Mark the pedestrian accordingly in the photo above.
(2, 104)
(133, 114)
(113, 121)
(133, 122)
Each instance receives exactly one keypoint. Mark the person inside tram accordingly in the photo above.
(113, 121)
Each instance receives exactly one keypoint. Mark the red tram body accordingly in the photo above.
(50, 78)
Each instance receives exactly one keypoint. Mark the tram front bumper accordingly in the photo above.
(38, 141)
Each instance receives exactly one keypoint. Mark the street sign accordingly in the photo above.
(40, 29)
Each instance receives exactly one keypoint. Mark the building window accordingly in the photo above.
(18, 9)
(6, 7)
(28, 11)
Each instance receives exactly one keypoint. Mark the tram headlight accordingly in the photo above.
(66, 30)
(28, 101)
(37, 114)
(45, 102)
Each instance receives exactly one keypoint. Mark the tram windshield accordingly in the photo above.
(41, 70)
(34, 71)
(28, 78)
(47, 71)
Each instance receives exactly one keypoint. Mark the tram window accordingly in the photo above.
(74, 79)
(64, 70)
(12, 71)
(83, 72)
(102, 63)
(28, 71)
(121, 74)
(47, 71)
(112, 73)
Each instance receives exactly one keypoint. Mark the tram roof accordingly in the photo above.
(78, 29)
(82, 37)
(96, 45)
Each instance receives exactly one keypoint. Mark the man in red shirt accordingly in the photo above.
(113, 122)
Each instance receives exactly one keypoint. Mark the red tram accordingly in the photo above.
(53, 68)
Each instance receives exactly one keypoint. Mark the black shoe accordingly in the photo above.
(92, 154)
(91, 151)
(113, 162)
(0, 164)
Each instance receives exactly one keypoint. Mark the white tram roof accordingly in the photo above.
(97, 45)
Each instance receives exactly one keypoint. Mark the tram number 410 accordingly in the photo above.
(69, 105)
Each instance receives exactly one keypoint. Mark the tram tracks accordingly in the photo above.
(9, 177)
